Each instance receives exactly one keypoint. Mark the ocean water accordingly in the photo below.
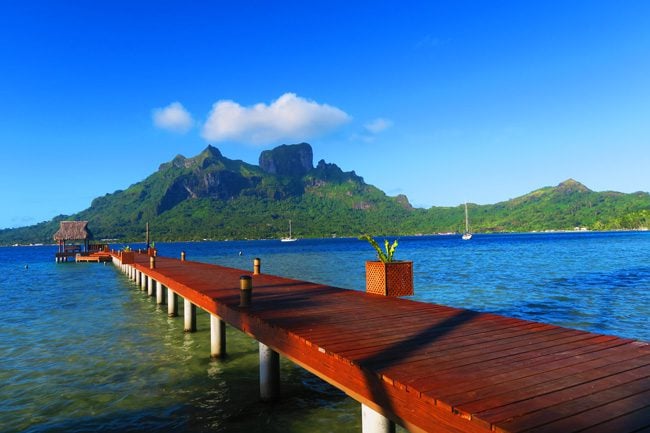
(84, 350)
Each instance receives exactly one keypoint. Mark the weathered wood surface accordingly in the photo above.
(93, 257)
(429, 367)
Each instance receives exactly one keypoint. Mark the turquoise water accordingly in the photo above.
(83, 350)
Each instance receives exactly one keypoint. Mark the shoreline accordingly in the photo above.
(397, 236)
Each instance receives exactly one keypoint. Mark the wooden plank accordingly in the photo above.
(625, 408)
(567, 367)
(476, 374)
(552, 391)
(446, 378)
(636, 421)
(573, 400)
(416, 328)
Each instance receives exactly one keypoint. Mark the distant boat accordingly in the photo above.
(467, 235)
(290, 238)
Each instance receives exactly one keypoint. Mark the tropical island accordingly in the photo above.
(210, 196)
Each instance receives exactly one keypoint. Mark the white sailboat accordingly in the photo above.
(290, 238)
(467, 235)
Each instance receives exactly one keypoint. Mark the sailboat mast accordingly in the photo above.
(290, 238)
(466, 220)
(467, 235)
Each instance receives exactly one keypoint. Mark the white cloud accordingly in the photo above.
(378, 125)
(173, 117)
(289, 117)
(372, 129)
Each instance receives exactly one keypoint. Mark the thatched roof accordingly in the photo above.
(72, 231)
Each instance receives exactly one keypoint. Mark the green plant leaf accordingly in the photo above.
(386, 256)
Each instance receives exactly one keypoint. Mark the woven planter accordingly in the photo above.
(128, 257)
(389, 279)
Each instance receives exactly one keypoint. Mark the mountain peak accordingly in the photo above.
(571, 185)
(212, 151)
(293, 160)
(209, 156)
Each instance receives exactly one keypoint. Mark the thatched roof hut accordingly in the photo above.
(73, 231)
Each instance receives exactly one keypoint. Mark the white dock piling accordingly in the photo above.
(160, 293)
(217, 337)
(269, 373)
(190, 316)
(172, 303)
(374, 422)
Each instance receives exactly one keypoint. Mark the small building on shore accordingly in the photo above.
(73, 237)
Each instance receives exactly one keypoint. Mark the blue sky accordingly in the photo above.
(445, 102)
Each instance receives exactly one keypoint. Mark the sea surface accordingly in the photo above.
(83, 350)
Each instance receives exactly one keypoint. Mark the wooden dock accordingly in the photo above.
(93, 257)
(429, 367)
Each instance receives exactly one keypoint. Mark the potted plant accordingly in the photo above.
(387, 276)
(151, 251)
(127, 256)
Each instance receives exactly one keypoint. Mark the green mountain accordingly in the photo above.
(566, 206)
(211, 196)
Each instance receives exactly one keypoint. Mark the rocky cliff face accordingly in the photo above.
(283, 172)
(207, 175)
(222, 185)
(294, 160)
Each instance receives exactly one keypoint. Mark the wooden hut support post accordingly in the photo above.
(374, 422)
(217, 337)
(269, 373)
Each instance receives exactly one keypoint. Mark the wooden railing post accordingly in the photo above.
(257, 263)
(246, 291)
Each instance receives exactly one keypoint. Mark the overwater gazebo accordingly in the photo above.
(76, 233)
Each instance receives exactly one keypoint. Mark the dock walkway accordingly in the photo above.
(429, 367)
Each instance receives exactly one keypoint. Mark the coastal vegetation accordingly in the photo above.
(212, 197)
